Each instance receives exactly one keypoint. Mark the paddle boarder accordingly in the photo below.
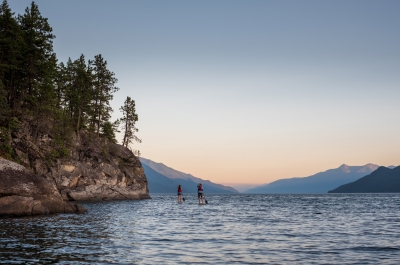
(200, 193)
(179, 193)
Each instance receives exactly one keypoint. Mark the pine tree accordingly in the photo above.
(103, 90)
(11, 45)
(57, 99)
(38, 57)
(109, 129)
(128, 122)
(3, 105)
(79, 91)
(61, 85)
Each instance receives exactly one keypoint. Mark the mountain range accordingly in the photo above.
(381, 180)
(164, 179)
(319, 183)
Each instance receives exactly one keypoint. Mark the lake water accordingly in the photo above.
(231, 229)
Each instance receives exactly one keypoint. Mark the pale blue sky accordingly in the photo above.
(247, 91)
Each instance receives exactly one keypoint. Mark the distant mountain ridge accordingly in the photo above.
(380, 181)
(318, 183)
(164, 179)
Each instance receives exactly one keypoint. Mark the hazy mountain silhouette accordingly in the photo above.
(157, 182)
(319, 183)
(381, 180)
(241, 187)
(163, 179)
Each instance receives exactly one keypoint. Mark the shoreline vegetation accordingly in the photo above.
(55, 121)
(73, 96)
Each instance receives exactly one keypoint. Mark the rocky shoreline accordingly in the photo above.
(94, 170)
(23, 193)
(99, 170)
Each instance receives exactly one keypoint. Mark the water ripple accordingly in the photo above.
(231, 229)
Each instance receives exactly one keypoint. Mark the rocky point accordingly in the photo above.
(24, 193)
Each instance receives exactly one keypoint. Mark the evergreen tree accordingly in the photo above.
(79, 91)
(128, 122)
(61, 86)
(62, 125)
(57, 99)
(104, 88)
(11, 45)
(3, 105)
(109, 129)
(39, 60)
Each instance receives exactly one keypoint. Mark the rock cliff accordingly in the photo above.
(24, 193)
(93, 168)
(100, 171)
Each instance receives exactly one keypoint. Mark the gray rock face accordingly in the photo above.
(95, 168)
(24, 193)
(91, 175)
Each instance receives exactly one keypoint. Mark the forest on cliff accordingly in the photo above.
(35, 87)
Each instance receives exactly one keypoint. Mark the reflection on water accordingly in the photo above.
(242, 229)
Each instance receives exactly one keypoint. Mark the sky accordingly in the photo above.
(246, 91)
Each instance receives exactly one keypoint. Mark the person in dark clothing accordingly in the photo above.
(179, 193)
(200, 195)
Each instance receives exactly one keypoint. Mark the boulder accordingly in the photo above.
(24, 193)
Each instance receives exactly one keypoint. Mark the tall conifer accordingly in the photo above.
(57, 99)
(79, 91)
(104, 88)
(128, 121)
(11, 45)
(38, 57)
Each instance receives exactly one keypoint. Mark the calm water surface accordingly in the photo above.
(231, 229)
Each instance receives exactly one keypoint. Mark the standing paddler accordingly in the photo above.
(179, 193)
(200, 193)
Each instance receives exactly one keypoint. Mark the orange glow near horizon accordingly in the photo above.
(271, 160)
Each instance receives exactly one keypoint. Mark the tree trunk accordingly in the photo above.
(94, 116)
(78, 123)
(126, 132)
(98, 121)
